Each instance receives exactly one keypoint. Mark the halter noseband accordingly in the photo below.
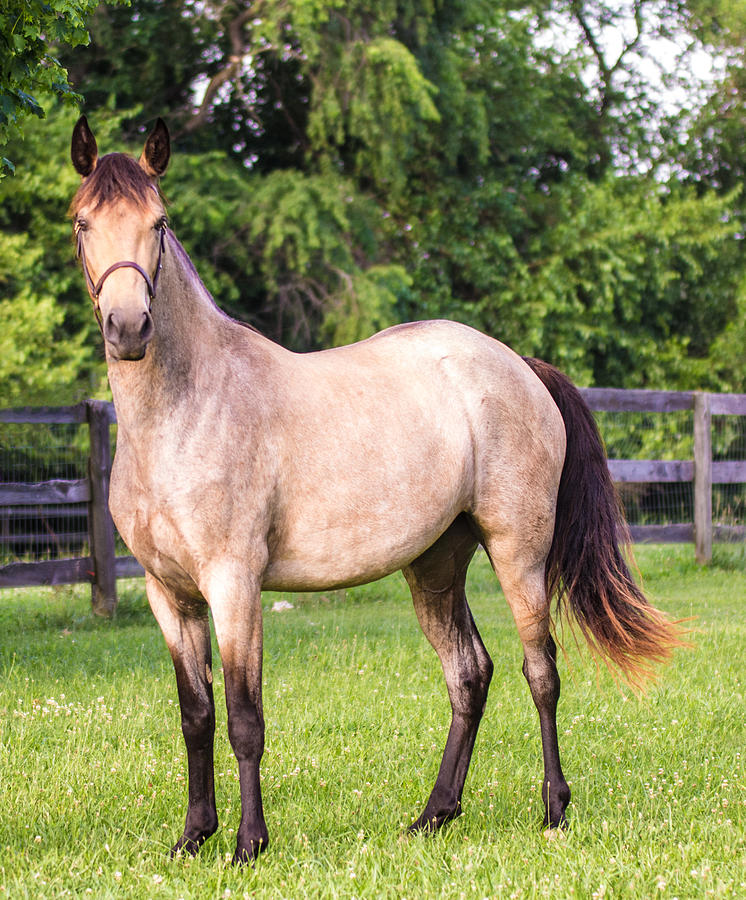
(95, 288)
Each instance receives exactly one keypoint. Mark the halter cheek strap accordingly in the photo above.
(96, 288)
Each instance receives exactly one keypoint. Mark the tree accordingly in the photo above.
(49, 342)
(710, 152)
(30, 30)
(346, 166)
(145, 58)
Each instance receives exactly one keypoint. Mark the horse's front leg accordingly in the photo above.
(235, 601)
(188, 640)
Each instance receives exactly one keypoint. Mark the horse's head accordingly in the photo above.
(120, 223)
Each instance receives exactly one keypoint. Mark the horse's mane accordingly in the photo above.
(191, 269)
(117, 176)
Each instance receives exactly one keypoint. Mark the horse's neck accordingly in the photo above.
(186, 324)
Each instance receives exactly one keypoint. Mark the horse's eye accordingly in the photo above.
(80, 225)
(161, 223)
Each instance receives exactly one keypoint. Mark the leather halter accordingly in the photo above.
(95, 288)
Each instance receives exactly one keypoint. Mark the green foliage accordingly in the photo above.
(290, 253)
(719, 22)
(143, 56)
(368, 302)
(36, 363)
(631, 287)
(48, 337)
(357, 164)
(30, 30)
(375, 103)
(728, 351)
(298, 223)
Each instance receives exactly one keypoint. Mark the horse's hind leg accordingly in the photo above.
(188, 640)
(436, 580)
(521, 575)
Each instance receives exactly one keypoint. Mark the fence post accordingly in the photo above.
(101, 525)
(702, 478)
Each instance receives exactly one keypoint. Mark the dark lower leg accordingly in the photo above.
(188, 641)
(436, 580)
(198, 727)
(444, 802)
(540, 669)
(246, 732)
(235, 600)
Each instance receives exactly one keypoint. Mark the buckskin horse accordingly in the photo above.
(241, 465)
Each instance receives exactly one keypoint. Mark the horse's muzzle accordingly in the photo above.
(128, 334)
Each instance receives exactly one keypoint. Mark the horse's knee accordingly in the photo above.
(198, 724)
(469, 683)
(486, 668)
(246, 733)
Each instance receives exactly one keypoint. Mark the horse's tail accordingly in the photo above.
(586, 568)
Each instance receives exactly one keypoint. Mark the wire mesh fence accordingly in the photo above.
(729, 444)
(34, 453)
(664, 436)
(670, 436)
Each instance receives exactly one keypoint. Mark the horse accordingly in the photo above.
(243, 466)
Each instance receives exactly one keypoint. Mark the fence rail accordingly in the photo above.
(102, 567)
(702, 471)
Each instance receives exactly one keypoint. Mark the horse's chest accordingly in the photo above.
(156, 541)
(163, 537)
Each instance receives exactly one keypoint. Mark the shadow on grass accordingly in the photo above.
(68, 607)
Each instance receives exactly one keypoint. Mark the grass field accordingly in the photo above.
(93, 768)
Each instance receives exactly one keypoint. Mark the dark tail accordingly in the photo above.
(586, 568)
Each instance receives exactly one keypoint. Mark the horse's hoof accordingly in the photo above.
(555, 822)
(432, 822)
(246, 855)
(556, 800)
(186, 847)
(190, 846)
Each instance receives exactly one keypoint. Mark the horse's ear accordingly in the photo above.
(83, 149)
(157, 150)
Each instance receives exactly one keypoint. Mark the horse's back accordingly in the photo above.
(463, 384)
(428, 356)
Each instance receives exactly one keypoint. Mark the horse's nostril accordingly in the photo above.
(111, 327)
(146, 328)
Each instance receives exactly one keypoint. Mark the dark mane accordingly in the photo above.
(117, 176)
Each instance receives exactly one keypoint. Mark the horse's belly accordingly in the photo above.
(372, 489)
(338, 559)
(327, 544)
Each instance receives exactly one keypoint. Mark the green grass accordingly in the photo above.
(93, 768)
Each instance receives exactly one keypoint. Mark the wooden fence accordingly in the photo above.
(701, 470)
(103, 567)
